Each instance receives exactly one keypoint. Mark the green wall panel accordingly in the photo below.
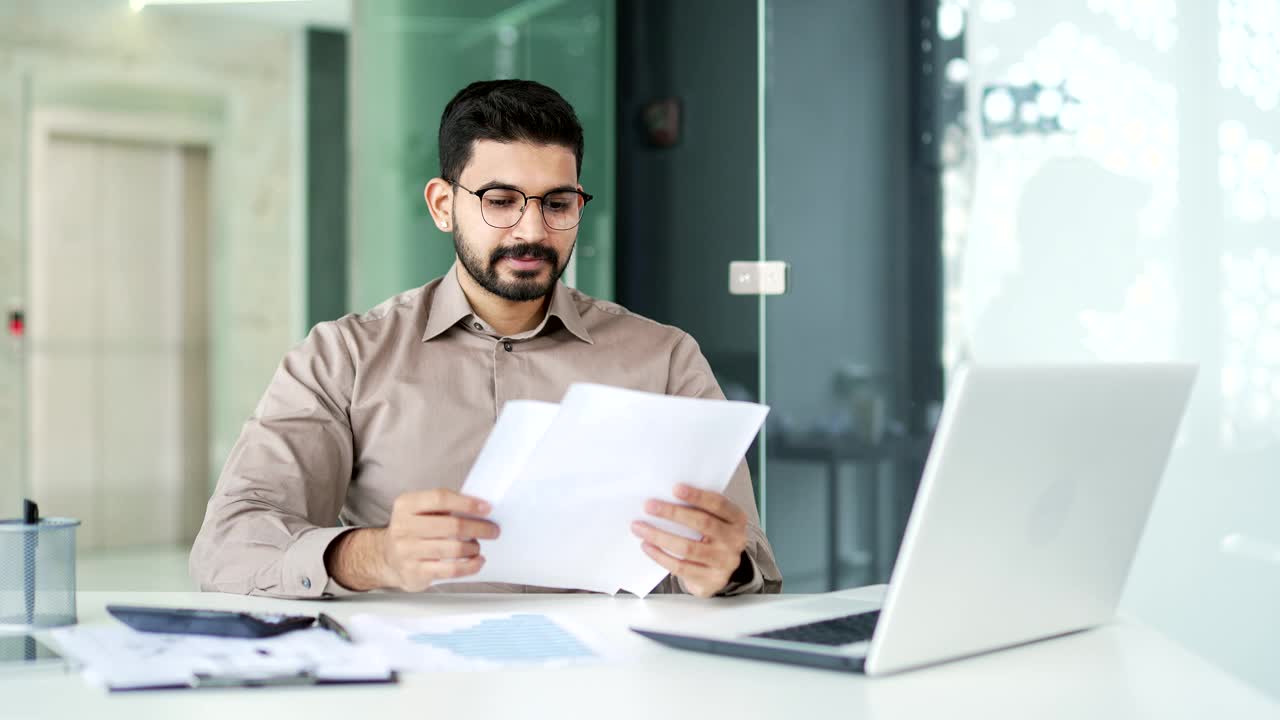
(408, 59)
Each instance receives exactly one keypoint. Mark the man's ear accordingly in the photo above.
(439, 197)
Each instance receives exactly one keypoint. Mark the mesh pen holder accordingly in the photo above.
(37, 574)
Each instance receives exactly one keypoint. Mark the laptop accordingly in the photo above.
(1034, 496)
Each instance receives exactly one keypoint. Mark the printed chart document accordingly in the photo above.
(120, 658)
(566, 481)
(481, 641)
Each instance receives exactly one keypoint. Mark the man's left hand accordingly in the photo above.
(705, 565)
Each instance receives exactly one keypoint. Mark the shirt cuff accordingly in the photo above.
(745, 588)
(302, 572)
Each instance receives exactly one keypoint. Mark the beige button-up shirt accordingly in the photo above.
(401, 399)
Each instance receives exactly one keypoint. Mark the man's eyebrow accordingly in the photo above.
(564, 188)
(509, 186)
(497, 184)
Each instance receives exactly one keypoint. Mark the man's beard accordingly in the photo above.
(526, 286)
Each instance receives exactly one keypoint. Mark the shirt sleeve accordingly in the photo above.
(275, 509)
(690, 376)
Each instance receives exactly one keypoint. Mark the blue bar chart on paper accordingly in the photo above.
(509, 639)
(475, 641)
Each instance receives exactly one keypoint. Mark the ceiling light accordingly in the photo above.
(138, 5)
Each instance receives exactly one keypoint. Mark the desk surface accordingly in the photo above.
(1121, 671)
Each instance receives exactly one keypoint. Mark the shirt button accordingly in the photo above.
(506, 346)
(478, 326)
(306, 583)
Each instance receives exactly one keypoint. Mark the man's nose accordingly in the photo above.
(531, 227)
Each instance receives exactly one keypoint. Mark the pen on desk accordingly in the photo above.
(31, 519)
(328, 623)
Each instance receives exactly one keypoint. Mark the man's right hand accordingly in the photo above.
(427, 539)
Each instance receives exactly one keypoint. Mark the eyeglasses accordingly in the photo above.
(503, 207)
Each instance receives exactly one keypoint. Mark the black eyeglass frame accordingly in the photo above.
(586, 198)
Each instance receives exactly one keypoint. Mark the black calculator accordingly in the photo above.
(222, 623)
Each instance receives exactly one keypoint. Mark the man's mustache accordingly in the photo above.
(526, 250)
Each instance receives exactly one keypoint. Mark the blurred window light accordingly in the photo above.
(994, 11)
(1049, 72)
(1252, 548)
(957, 70)
(1049, 102)
(950, 20)
(1249, 50)
(1029, 113)
(1021, 109)
(1043, 99)
(1153, 21)
(1248, 173)
(1019, 74)
(1231, 135)
(997, 106)
(1069, 118)
(1250, 376)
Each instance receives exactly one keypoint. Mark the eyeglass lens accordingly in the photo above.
(502, 208)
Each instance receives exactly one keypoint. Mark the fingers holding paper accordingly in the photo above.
(431, 537)
(704, 565)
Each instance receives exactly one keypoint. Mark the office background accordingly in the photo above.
(185, 190)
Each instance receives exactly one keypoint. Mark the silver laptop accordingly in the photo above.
(1033, 499)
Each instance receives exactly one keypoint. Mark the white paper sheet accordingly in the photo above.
(519, 428)
(120, 658)
(480, 641)
(566, 482)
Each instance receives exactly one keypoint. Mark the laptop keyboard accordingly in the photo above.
(836, 631)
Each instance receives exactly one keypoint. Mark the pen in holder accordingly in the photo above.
(37, 571)
(30, 541)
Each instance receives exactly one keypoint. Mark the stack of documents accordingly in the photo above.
(566, 481)
(120, 658)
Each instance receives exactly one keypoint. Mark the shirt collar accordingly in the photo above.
(449, 305)
(564, 307)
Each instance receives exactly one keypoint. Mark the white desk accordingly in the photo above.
(1121, 671)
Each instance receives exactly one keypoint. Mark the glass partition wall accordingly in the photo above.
(1113, 194)
(1095, 181)
(848, 428)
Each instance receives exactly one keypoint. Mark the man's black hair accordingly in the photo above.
(505, 111)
